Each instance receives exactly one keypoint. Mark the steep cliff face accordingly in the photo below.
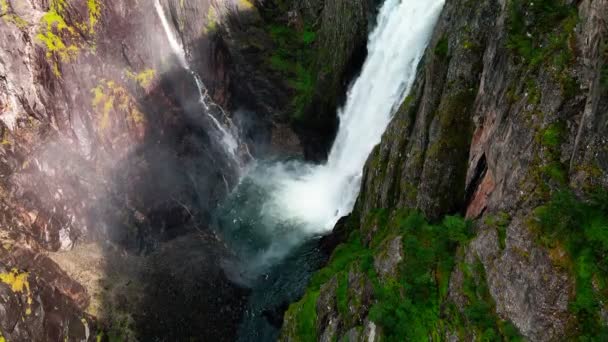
(505, 125)
(312, 50)
(104, 143)
(108, 171)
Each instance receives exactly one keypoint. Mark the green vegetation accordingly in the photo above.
(94, 8)
(551, 171)
(63, 38)
(292, 57)
(581, 228)
(540, 29)
(144, 78)
(408, 306)
(500, 222)
(110, 97)
(541, 33)
(480, 310)
(442, 48)
(412, 305)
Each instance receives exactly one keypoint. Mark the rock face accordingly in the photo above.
(509, 110)
(107, 161)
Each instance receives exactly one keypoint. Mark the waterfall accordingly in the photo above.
(279, 206)
(320, 195)
(226, 132)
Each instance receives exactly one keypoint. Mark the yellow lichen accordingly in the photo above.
(16, 20)
(54, 27)
(144, 78)
(110, 97)
(94, 7)
(4, 8)
(245, 4)
(19, 284)
(62, 40)
(17, 281)
(211, 20)
(11, 18)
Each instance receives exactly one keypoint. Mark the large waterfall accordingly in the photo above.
(278, 206)
(318, 197)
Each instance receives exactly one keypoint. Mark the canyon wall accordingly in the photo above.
(506, 126)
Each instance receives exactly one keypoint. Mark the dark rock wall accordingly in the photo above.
(508, 109)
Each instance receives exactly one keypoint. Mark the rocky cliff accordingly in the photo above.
(108, 171)
(482, 214)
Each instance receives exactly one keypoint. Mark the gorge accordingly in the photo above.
(348, 170)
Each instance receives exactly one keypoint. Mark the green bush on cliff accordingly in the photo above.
(540, 28)
(581, 227)
(408, 306)
(292, 57)
(541, 32)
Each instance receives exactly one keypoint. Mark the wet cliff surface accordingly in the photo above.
(482, 214)
(109, 173)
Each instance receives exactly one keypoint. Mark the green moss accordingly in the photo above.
(308, 36)
(541, 33)
(581, 227)
(500, 222)
(538, 29)
(455, 124)
(442, 48)
(480, 311)
(553, 135)
(409, 305)
(342, 293)
(292, 57)
(532, 92)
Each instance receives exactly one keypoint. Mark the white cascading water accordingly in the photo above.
(226, 133)
(318, 196)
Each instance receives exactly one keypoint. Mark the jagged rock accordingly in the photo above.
(39, 302)
(328, 318)
(527, 286)
(386, 263)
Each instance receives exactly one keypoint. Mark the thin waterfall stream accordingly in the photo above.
(226, 132)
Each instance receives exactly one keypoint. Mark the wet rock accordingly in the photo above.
(387, 261)
(328, 317)
(527, 286)
(39, 302)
